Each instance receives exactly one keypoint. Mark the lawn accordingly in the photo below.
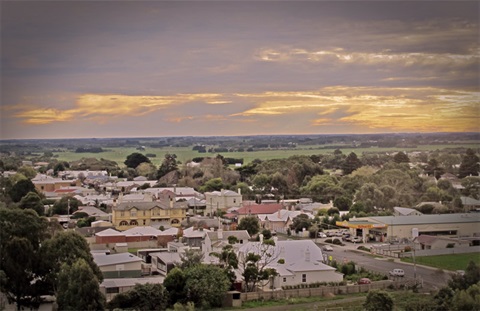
(447, 262)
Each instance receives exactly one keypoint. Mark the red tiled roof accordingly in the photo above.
(259, 209)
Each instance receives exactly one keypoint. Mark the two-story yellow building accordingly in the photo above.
(165, 213)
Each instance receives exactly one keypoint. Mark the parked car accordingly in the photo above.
(327, 248)
(356, 239)
(397, 272)
(322, 235)
(346, 237)
(364, 281)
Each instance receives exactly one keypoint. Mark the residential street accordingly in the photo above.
(432, 278)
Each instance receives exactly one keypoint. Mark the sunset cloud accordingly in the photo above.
(237, 67)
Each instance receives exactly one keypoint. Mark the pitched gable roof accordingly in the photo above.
(259, 209)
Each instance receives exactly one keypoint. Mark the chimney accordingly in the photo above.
(220, 234)
(261, 238)
(239, 191)
(307, 255)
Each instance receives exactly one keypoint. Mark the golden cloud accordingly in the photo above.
(101, 107)
(395, 109)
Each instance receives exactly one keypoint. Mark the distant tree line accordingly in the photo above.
(89, 150)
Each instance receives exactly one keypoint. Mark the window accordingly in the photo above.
(234, 201)
(133, 223)
(144, 222)
(284, 280)
(123, 223)
(304, 278)
(122, 213)
(112, 290)
(144, 213)
(133, 213)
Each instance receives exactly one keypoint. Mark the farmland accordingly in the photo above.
(184, 154)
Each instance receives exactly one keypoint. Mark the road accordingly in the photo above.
(432, 278)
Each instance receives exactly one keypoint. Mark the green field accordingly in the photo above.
(447, 262)
(184, 154)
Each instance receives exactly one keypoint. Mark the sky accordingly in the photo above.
(72, 69)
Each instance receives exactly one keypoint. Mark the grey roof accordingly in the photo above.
(239, 234)
(149, 205)
(425, 219)
(130, 282)
(405, 211)
(167, 257)
(114, 259)
(469, 201)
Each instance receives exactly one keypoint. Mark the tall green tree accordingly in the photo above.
(351, 163)
(206, 285)
(249, 223)
(300, 222)
(401, 157)
(135, 159)
(78, 287)
(20, 189)
(65, 248)
(33, 201)
(21, 232)
(470, 164)
(175, 284)
(168, 165)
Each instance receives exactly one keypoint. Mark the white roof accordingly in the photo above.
(195, 233)
(292, 251)
(114, 259)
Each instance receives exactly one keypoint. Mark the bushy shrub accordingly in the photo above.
(337, 242)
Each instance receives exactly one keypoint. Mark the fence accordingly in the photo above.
(320, 291)
(443, 251)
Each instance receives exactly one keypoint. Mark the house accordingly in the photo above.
(256, 209)
(158, 213)
(222, 200)
(437, 242)
(163, 262)
(119, 265)
(279, 221)
(194, 237)
(44, 183)
(176, 193)
(136, 234)
(403, 211)
(216, 240)
(296, 262)
(92, 211)
(470, 203)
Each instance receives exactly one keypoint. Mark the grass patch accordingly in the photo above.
(297, 300)
(447, 262)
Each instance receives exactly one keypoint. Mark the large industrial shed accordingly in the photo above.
(388, 228)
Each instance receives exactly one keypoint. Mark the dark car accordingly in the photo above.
(364, 281)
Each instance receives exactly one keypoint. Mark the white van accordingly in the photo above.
(397, 272)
